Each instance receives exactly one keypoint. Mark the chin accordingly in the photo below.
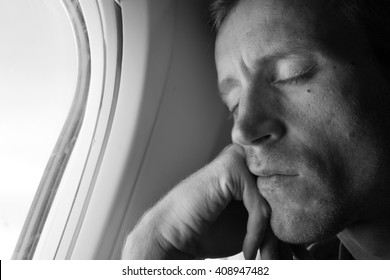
(306, 210)
(306, 226)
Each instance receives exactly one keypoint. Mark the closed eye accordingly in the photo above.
(303, 76)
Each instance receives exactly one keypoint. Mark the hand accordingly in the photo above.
(201, 217)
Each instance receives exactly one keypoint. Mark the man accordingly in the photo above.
(307, 82)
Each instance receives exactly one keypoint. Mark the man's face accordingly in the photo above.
(307, 106)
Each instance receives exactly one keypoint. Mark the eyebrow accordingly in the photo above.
(228, 83)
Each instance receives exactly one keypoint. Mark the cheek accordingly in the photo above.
(325, 112)
(328, 121)
(319, 122)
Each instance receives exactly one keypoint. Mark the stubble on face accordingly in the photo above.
(329, 140)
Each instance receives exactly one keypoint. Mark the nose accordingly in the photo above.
(257, 121)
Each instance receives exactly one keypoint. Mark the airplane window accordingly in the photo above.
(40, 77)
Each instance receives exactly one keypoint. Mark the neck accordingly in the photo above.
(368, 239)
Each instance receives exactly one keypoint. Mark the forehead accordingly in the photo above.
(256, 28)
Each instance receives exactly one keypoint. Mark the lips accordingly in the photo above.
(273, 177)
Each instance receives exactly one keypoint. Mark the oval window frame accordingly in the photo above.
(63, 194)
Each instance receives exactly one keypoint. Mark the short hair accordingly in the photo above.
(372, 16)
(219, 9)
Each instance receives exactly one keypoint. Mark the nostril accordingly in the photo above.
(250, 133)
(247, 138)
(263, 139)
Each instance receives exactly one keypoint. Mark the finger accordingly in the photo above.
(245, 189)
(257, 207)
(269, 246)
(258, 219)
